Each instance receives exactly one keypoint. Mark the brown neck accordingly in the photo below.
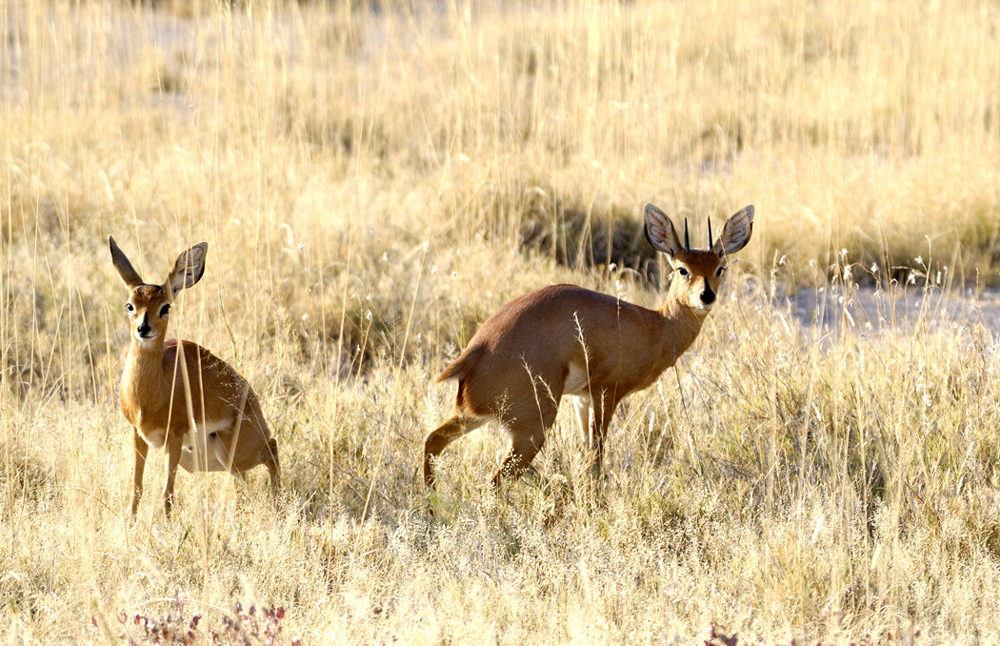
(143, 375)
(681, 325)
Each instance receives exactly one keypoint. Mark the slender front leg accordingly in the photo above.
(273, 468)
(173, 459)
(581, 404)
(141, 449)
(604, 410)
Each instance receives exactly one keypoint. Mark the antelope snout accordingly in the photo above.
(143, 330)
(707, 296)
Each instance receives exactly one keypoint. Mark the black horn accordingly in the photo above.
(710, 232)
(687, 245)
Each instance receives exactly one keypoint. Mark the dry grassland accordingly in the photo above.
(375, 181)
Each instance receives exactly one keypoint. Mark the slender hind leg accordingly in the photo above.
(441, 437)
(527, 425)
(273, 468)
(527, 439)
(527, 429)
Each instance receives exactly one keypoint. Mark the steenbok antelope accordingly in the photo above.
(179, 395)
(566, 340)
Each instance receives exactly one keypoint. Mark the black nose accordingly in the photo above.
(707, 296)
(143, 328)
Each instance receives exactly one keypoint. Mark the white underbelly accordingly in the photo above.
(577, 381)
(202, 450)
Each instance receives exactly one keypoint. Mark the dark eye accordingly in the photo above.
(129, 307)
(165, 309)
(720, 271)
(683, 271)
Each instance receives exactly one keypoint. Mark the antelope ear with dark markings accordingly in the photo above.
(660, 231)
(736, 233)
(188, 269)
(125, 270)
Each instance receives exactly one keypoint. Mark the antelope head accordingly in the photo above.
(699, 271)
(148, 306)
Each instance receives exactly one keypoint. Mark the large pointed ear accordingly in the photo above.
(188, 269)
(660, 231)
(736, 234)
(128, 275)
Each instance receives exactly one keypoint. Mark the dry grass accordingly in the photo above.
(374, 182)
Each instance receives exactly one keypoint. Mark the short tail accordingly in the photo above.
(460, 366)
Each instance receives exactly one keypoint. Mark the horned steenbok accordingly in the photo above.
(566, 340)
(179, 395)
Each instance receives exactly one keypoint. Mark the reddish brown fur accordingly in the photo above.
(564, 339)
(170, 387)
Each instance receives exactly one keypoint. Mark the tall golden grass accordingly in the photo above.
(375, 180)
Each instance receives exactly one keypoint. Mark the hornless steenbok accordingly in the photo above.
(566, 340)
(179, 395)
